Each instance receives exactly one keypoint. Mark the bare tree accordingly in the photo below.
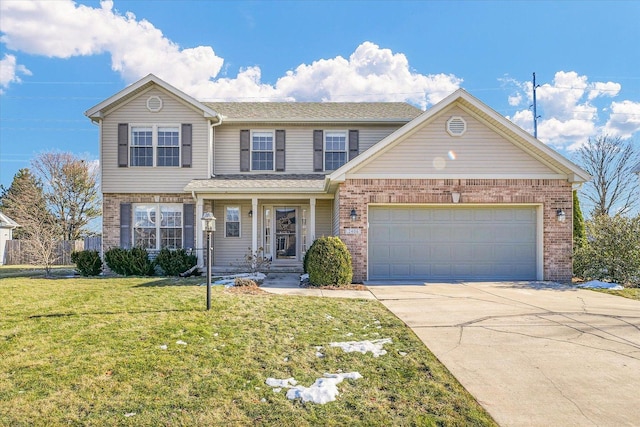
(610, 161)
(71, 190)
(25, 202)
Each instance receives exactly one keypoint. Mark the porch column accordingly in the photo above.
(254, 225)
(199, 243)
(312, 220)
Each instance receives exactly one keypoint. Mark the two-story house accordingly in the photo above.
(455, 192)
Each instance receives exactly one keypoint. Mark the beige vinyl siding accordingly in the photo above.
(230, 251)
(431, 150)
(152, 179)
(324, 222)
(298, 145)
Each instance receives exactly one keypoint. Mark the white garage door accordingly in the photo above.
(452, 243)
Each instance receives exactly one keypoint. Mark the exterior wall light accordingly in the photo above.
(562, 217)
(455, 197)
(353, 215)
(250, 213)
(209, 226)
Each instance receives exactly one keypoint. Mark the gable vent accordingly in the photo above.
(456, 126)
(154, 104)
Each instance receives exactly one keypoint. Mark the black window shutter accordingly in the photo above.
(186, 145)
(318, 148)
(125, 225)
(280, 152)
(187, 226)
(123, 145)
(354, 145)
(245, 151)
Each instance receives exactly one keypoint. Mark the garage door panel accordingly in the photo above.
(477, 243)
(440, 253)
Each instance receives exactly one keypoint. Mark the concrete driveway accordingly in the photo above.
(533, 354)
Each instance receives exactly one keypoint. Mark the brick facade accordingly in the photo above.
(551, 194)
(111, 211)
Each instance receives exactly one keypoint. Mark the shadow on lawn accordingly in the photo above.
(106, 313)
(173, 281)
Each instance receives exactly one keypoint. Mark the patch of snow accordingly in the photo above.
(375, 347)
(348, 334)
(402, 353)
(180, 342)
(596, 284)
(286, 383)
(129, 414)
(229, 281)
(328, 316)
(320, 355)
(323, 390)
(163, 347)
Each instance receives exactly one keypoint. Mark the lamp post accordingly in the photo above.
(209, 226)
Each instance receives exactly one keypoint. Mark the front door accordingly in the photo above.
(286, 233)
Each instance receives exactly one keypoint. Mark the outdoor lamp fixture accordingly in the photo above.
(455, 197)
(250, 213)
(353, 215)
(561, 215)
(209, 226)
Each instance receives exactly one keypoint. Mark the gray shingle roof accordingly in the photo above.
(301, 111)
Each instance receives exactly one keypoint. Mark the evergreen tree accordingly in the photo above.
(25, 203)
(579, 233)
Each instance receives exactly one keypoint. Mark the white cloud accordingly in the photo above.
(9, 70)
(568, 109)
(624, 119)
(63, 29)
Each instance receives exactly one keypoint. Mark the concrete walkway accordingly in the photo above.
(289, 284)
(533, 354)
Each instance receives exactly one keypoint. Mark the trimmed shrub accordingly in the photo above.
(129, 262)
(328, 263)
(88, 263)
(172, 263)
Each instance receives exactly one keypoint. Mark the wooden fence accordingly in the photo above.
(16, 251)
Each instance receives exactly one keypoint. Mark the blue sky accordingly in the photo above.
(58, 58)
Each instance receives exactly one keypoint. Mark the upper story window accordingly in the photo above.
(262, 151)
(155, 146)
(168, 151)
(141, 146)
(335, 149)
(157, 226)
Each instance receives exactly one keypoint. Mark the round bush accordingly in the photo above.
(328, 263)
(175, 262)
(87, 262)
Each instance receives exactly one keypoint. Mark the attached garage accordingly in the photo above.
(452, 243)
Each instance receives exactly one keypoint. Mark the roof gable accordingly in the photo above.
(6, 222)
(97, 112)
(508, 142)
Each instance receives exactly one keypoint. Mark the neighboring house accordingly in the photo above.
(455, 192)
(6, 233)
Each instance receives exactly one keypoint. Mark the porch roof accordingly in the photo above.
(260, 183)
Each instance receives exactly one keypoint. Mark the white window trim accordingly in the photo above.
(239, 221)
(154, 142)
(179, 207)
(324, 147)
(273, 149)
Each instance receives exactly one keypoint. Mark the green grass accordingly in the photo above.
(631, 293)
(87, 351)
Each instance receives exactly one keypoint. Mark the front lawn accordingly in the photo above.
(631, 293)
(92, 352)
